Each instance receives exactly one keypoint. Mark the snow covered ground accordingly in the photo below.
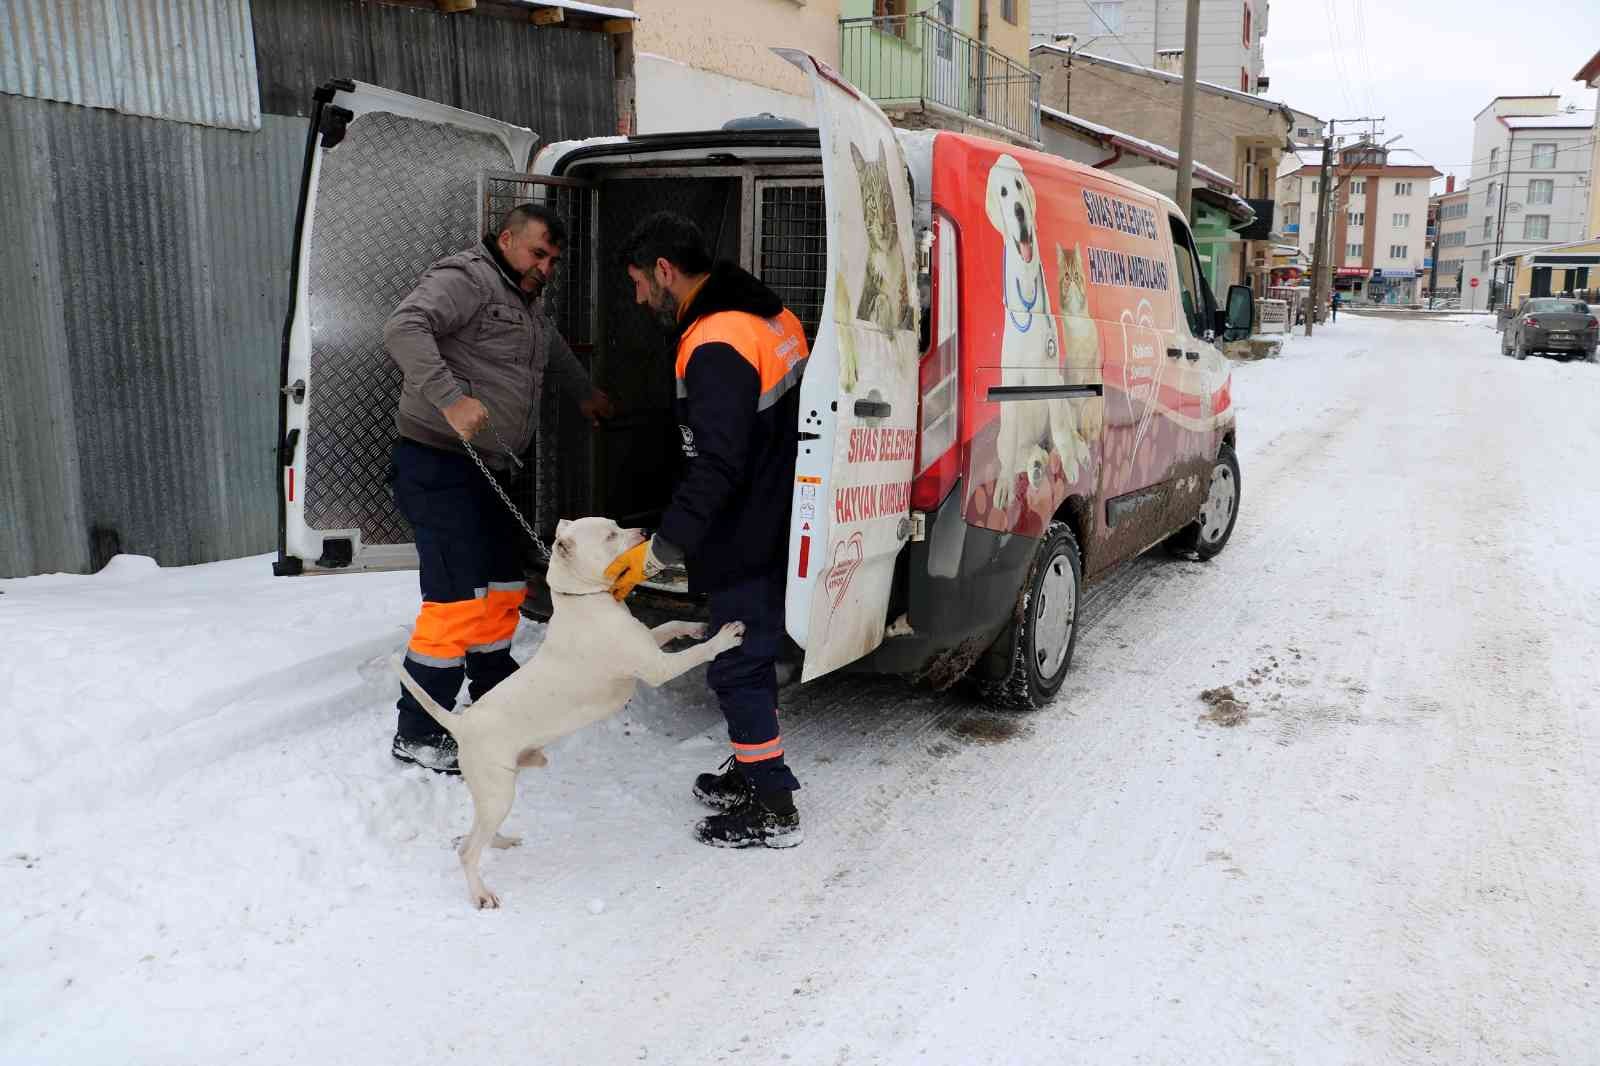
(207, 855)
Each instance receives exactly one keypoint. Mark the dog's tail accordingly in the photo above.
(437, 713)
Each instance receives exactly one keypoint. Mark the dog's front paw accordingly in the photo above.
(485, 900)
(729, 636)
(1002, 492)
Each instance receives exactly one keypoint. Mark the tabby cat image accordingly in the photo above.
(885, 290)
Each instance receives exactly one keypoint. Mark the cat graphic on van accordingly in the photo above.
(885, 288)
(1031, 430)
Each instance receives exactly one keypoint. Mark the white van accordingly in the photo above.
(1014, 384)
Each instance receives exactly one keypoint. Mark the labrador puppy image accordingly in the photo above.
(1031, 430)
(593, 657)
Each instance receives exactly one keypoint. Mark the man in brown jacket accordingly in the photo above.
(474, 346)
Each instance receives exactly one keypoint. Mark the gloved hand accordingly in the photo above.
(637, 564)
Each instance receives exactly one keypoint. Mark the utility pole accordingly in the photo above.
(1319, 247)
(1321, 265)
(1191, 67)
(1500, 222)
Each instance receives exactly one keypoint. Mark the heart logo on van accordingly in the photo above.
(847, 558)
(1141, 369)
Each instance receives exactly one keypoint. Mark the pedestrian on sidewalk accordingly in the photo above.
(740, 355)
(1337, 300)
(474, 345)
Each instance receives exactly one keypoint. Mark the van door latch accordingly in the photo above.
(295, 392)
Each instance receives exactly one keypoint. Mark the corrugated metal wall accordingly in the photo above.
(152, 300)
(558, 83)
(144, 270)
(187, 60)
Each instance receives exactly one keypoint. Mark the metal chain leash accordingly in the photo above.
(500, 491)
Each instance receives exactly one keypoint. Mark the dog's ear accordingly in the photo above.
(856, 157)
(561, 526)
(562, 547)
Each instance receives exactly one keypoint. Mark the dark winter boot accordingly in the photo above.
(436, 753)
(725, 790)
(768, 821)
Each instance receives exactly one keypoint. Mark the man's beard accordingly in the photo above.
(533, 285)
(664, 305)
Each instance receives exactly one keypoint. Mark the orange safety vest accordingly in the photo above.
(776, 347)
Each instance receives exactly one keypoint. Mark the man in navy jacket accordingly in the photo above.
(739, 360)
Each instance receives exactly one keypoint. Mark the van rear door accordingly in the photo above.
(858, 399)
(390, 184)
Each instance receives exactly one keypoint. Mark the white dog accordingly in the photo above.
(594, 654)
(1030, 430)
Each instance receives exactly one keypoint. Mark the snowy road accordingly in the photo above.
(207, 855)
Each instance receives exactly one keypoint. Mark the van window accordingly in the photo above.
(1194, 303)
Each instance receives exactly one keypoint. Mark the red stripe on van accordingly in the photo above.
(805, 555)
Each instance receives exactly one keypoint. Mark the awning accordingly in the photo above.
(1351, 272)
(598, 11)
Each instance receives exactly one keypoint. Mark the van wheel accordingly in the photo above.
(1208, 534)
(1032, 654)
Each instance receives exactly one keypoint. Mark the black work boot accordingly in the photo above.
(725, 790)
(436, 753)
(768, 821)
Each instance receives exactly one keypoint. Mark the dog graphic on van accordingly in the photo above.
(1030, 430)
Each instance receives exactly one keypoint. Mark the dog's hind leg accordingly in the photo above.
(493, 789)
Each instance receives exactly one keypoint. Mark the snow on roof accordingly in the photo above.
(1208, 86)
(1579, 119)
(1159, 152)
(577, 7)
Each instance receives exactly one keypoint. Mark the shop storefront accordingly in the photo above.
(1392, 286)
(1351, 281)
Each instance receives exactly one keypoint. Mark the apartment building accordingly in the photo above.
(1378, 232)
(699, 63)
(1447, 246)
(1529, 186)
(944, 64)
(1150, 33)
(1590, 76)
(1240, 135)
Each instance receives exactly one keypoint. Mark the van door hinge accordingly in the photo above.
(295, 392)
(915, 526)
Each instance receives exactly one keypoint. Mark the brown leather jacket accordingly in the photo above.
(468, 329)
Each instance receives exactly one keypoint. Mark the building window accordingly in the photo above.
(1494, 155)
(1544, 157)
(1314, 183)
(1352, 251)
(1401, 219)
(1483, 264)
(1494, 188)
(1358, 186)
(1402, 188)
(1008, 11)
(1398, 251)
(1536, 227)
(1247, 25)
(1488, 226)
(1358, 218)
(890, 15)
(1109, 14)
(1541, 191)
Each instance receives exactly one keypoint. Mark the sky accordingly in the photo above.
(1428, 66)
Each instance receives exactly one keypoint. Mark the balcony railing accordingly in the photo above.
(919, 61)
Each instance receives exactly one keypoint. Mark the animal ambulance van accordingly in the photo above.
(1014, 384)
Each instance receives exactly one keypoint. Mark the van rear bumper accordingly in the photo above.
(959, 591)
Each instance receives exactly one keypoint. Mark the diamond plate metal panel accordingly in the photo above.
(393, 197)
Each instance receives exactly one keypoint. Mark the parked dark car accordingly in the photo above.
(1554, 326)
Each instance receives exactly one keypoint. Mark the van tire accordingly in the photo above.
(1029, 676)
(1207, 535)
